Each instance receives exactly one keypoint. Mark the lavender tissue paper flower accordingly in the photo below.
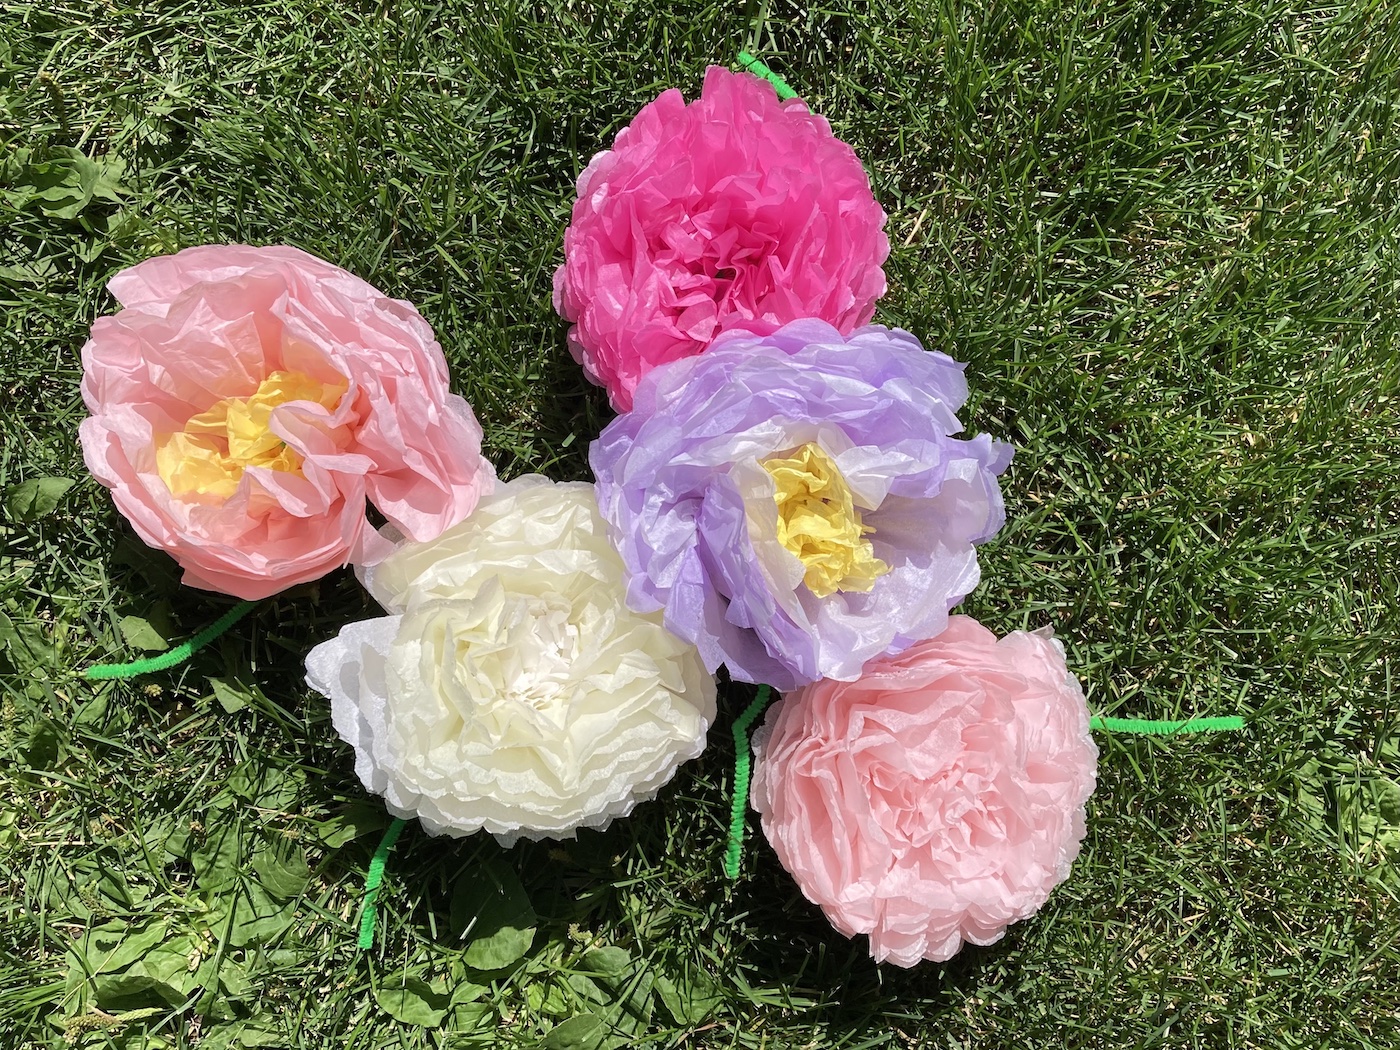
(796, 503)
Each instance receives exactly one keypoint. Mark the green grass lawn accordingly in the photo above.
(1163, 235)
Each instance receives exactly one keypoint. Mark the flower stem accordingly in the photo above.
(373, 878)
(1149, 727)
(178, 655)
(757, 68)
(742, 765)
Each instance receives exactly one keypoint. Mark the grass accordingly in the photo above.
(1163, 235)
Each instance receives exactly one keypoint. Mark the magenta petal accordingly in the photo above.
(736, 210)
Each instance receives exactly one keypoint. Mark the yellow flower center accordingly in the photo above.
(818, 521)
(209, 456)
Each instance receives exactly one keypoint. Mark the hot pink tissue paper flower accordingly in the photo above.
(937, 798)
(735, 211)
(246, 403)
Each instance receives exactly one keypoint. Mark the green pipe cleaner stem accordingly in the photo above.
(1148, 727)
(757, 68)
(742, 767)
(373, 878)
(178, 655)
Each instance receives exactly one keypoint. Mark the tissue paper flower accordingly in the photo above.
(735, 211)
(511, 689)
(795, 503)
(937, 798)
(246, 402)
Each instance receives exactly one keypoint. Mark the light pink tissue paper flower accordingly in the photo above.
(735, 211)
(937, 798)
(246, 403)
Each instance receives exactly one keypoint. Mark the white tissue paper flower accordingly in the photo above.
(511, 688)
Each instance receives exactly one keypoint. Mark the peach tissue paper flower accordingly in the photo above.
(511, 689)
(937, 798)
(246, 403)
(734, 211)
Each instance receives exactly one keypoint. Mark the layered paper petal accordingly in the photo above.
(511, 688)
(937, 798)
(714, 486)
(735, 211)
(247, 402)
